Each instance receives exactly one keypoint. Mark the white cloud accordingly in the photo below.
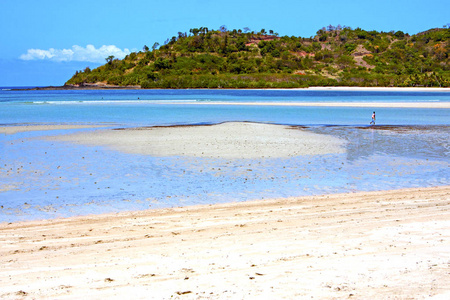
(77, 53)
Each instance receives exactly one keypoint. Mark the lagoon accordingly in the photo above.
(45, 178)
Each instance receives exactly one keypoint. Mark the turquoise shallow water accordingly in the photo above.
(43, 179)
(156, 107)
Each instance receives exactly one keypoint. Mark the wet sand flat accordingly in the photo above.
(26, 128)
(373, 245)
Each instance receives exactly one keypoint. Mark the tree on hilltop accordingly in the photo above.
(109, 59)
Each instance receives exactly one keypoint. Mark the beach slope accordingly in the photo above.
(373, 245)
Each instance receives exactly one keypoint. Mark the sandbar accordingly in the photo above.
(367, 245)
(424, 105)
(240, 140)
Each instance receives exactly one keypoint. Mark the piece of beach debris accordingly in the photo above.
(183, 293)
(64, 287)
(146, 275)
(21, 293)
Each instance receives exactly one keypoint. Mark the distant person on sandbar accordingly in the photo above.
(373, 119)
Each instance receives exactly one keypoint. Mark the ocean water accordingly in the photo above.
(42, 179)
(156, 107)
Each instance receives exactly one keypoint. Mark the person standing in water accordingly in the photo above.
(373, 119)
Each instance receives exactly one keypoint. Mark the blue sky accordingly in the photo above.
(44, 42)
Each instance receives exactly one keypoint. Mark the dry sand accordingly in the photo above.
(376, 245)
(227, 140)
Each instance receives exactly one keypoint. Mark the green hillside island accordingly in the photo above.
(336, 56)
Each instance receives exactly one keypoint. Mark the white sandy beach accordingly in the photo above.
(377, 245)
(380, 89)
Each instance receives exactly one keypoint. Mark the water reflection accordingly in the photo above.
(421, 142)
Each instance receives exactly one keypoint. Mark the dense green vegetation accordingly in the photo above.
(336, 56)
